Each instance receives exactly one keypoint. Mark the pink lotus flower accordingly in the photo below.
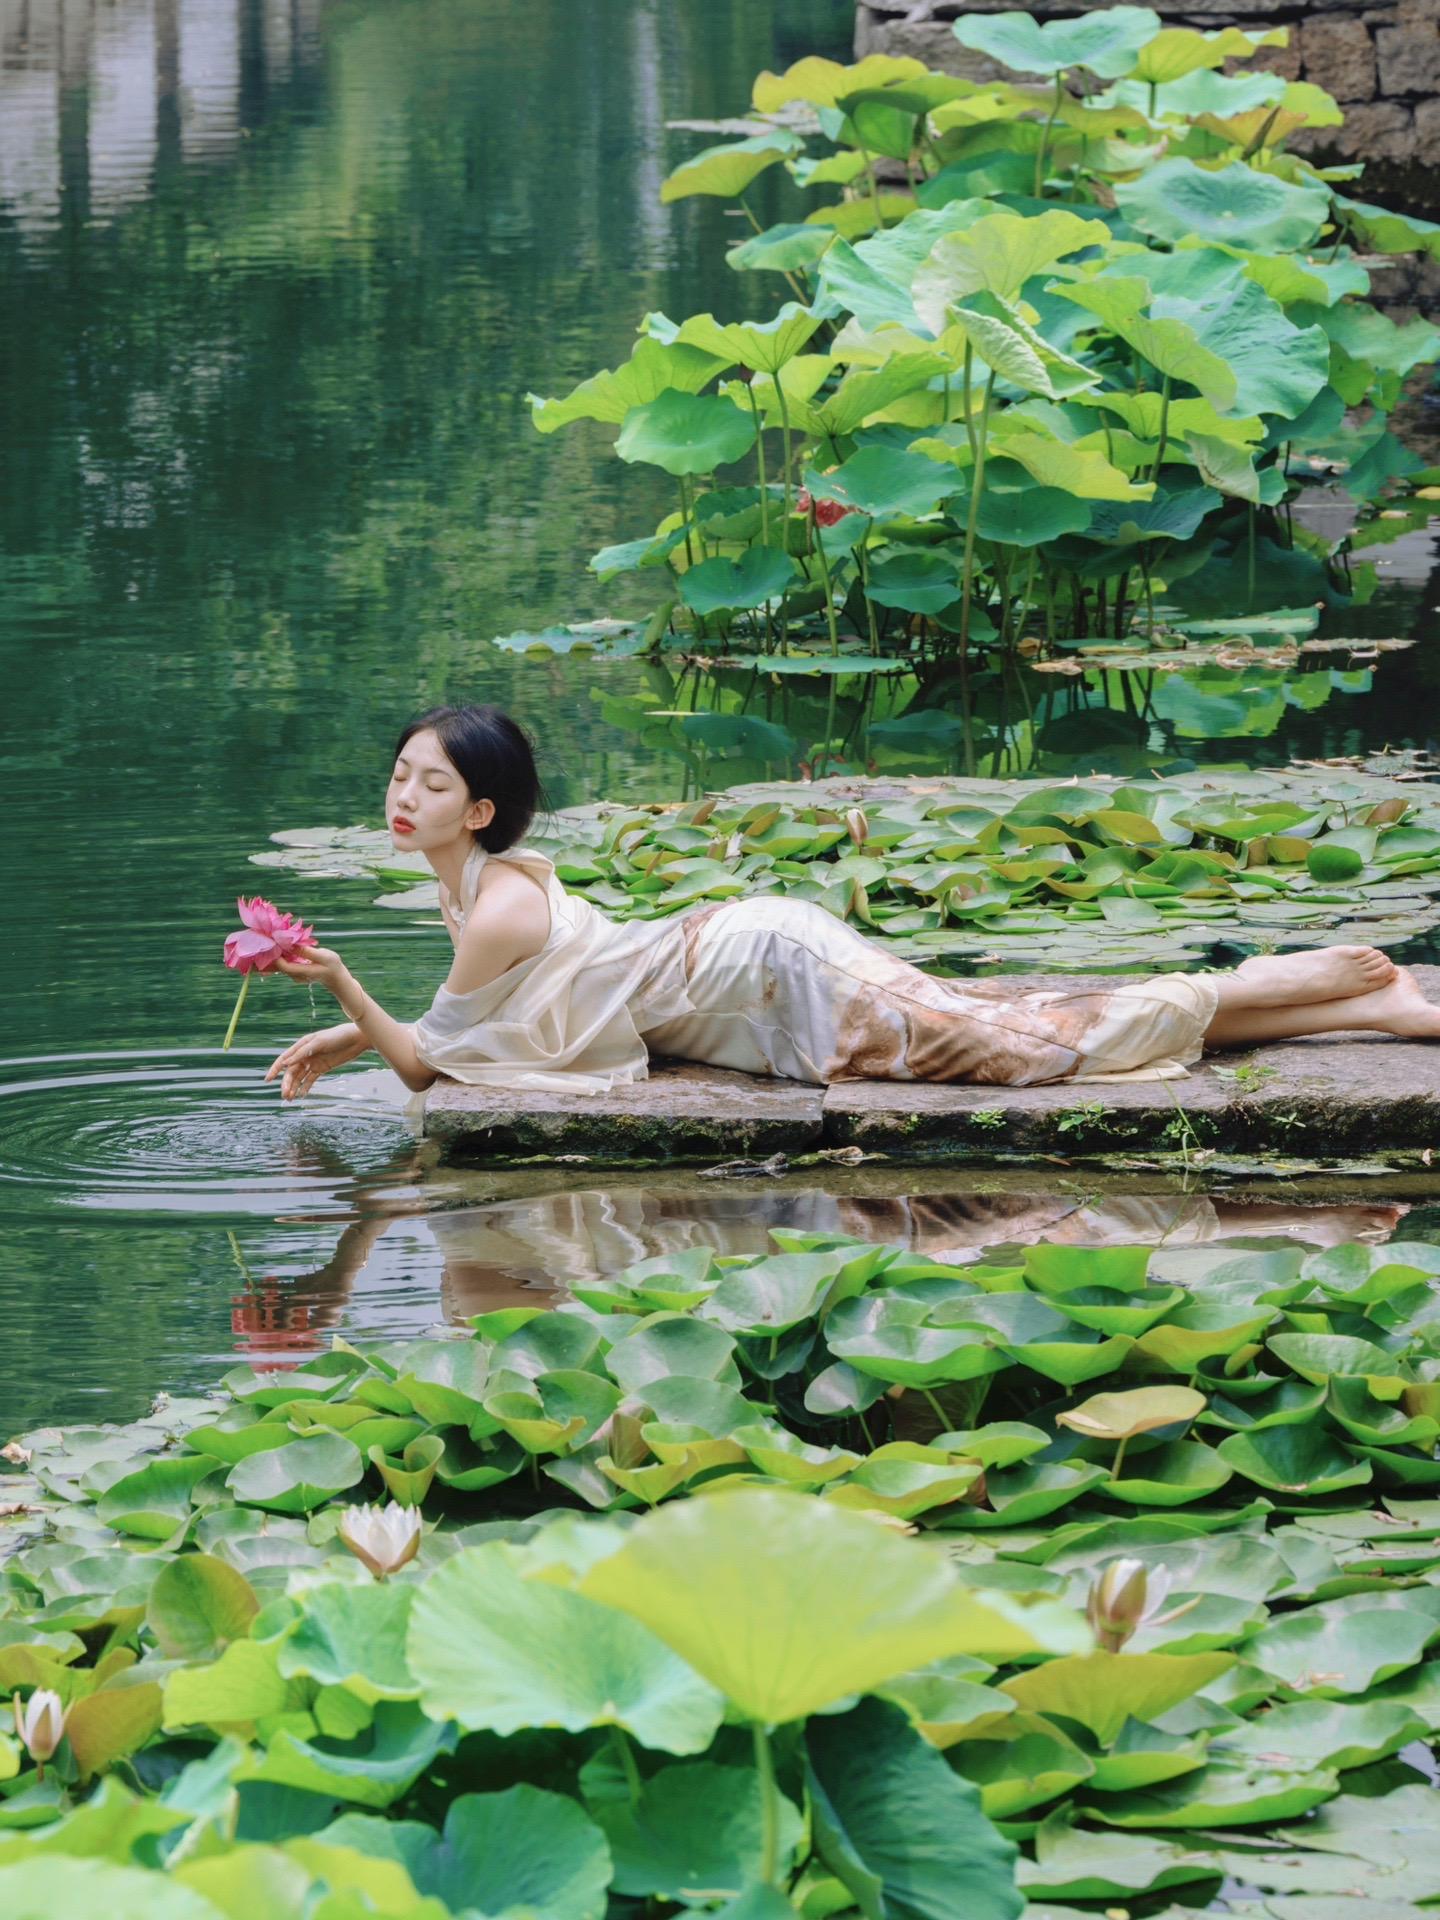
(825, 512)
(269, 937)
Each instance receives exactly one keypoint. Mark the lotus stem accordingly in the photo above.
(785, 437)
(977, 488)
(760, 462)
(1250, 554)
(1045, 135)
(965, 399)
(874, 194)
(769, 1807)
(1164, 427)
(626, 1756)
(864, 573)
(235, 1016)
(1119, 1459)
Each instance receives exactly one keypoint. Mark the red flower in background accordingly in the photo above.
(824, 512)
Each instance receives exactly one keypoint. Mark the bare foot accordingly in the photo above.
(1300, 979)
(1400, 1008)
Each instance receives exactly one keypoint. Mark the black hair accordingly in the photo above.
(495, 757)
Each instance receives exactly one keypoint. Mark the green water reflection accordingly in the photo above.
(274, 283)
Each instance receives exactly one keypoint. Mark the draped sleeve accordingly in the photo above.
(565, 1020)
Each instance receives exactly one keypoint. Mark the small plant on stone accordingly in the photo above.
(988, 1117)
(1084, 1115)
(1249, 1078)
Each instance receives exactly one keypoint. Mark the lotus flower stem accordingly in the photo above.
(235, 1016)
(785, 444)
(769, 1807)
(760, 463)
(1119, 1460)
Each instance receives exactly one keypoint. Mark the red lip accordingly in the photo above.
(402, 826)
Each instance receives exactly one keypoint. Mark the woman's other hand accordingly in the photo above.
(302, 1063)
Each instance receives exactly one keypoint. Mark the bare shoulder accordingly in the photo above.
(509, 922)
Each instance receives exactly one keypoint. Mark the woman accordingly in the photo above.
(547, 993)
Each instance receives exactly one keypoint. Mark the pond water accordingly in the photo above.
(274, 283)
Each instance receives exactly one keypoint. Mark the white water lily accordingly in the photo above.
(385, 1538)
(1126, 1597)
(40, 1723)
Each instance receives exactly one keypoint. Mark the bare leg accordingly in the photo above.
(1399, 1008)
(1296, 979)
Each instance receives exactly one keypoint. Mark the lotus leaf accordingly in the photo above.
(1121, 1416)
(788, 1604)
(695, 1826)
(1019, 1762)
(1178, 200)
(685, 433)
(758, 575)
(500, 1651)
(728, 170)
(1325, 1655)
(1223, 1796)
(1105, 41)
(901, 1831)
(298, 1477)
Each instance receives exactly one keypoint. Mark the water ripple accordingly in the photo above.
(164, 1132)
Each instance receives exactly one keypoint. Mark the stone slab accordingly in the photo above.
(1343, 1096)
(681, 1112)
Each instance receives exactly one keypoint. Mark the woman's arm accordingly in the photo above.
(509, 924)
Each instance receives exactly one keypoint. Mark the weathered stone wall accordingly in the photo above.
(1381, 61)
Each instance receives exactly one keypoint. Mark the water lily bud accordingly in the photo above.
(857, 825)
(384, 1538)
(1116, 1603)
(40, 1723)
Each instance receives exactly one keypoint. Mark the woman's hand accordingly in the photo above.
(318, 967)
(303, 1063)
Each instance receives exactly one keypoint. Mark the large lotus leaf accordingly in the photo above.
(1279, 1403)
(999, 1443)
(862, 395)
(1321, 1733)
(1007, 343)
(787, 248)
(1058, 1269)
(998, 255)
(1077, 1863)
(1363, 1275)
(244, 1685)
(885, 480)
(499, 1651)
(1102, 1690)
(653, 367)
(1221, 1797)
(300, 1477)
(373, 1770)
(667, 1344)
(898, 1827)
(777, 1291)
(1279, 368)
(1293, 1459)
(1177, 200)
(105, 1726)
(1171, 1476)
(1170, 514)
(1024, 514)
(789, 1604)
(353, 1637)
(1027, 1493)
(1202, 1332)
(446, 1380)
(1170, 345)
(1224, 466)
(1109, 1310)
(525, 1851)
(946, 1698)
(1020, 1762)
(696, 1826)
(763, 346)
(1382, 230)
(781, 1455)
(302, 1875)
(824, 83)
(906, 1479)
(239, 1431)
(914, 580)
(54, 1887)
(729, 169)
(685, 433)
(1326, 1654)
(1376, 1423)
(889, 1339)
(1186, 416)
(1121, 1416)
(154, 1502)
(757, 575)
(1106, 41)
(197, 1605)
(1081, 471)
(1319, 1356)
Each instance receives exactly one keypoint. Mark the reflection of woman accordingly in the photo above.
(545, 992)
(531, 1249)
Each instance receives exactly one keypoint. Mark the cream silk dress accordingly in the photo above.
(769, 985)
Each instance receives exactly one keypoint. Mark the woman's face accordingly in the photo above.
(426, 803)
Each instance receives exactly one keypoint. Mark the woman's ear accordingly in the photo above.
(480, 815)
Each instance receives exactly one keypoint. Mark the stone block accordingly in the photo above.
(1426, 149)
(682, 1112)
(1339, 55)
(1282, 60)
(1376, 130)
(1409, 59)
